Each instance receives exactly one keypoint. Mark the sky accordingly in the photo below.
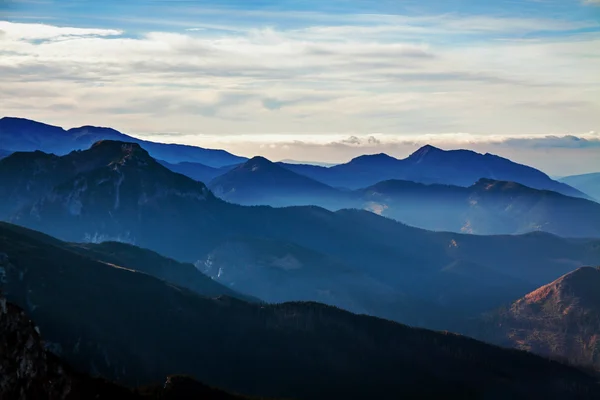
(315, 80)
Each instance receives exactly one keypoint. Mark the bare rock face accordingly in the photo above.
(27, 371)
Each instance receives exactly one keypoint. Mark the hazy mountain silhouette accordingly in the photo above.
(260, 181)
(136, 329)
(4, 153)
(432, 165)
(18, 134)
(360, 172)
(151, 263)
(560, 319)
(487, 207)
(279, 271)
(129, 197)
(587, 183)
(319, 163)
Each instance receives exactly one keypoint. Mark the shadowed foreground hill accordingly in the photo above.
(29, 372)
(136, 329)
(561, 319)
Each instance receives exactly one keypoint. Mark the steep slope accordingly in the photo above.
(487, 207)
(25, 177)
(259, 181)
(18, 134)
(561, 319)
(293, 350)
(105, 203)
(279, 271)
(432, 165)
(587, 183)
(151, 263)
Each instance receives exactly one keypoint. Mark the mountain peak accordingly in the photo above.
(580, 284)
(90, 130)
(258, 162)
(115, 144)
(259, 159)
(117, 152)
(425, 150)
(378, 158)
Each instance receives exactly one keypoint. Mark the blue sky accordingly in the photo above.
(316, 80)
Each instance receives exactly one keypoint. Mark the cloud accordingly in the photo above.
(369, 75)
(352, 140)
(551, 141)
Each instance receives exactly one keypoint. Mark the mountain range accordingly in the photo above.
(589, 183)
(143, 329)
(486, 207)
(18, 134)
(432, 165)
(426, 165)
(116, 191)
(164, 261)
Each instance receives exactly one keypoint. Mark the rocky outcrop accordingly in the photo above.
(27, 371)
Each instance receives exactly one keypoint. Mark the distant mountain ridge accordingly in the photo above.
(486, 207)
(259, 181)
(18, 134)
(426, 165)
(432, 165)
(588, 183)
